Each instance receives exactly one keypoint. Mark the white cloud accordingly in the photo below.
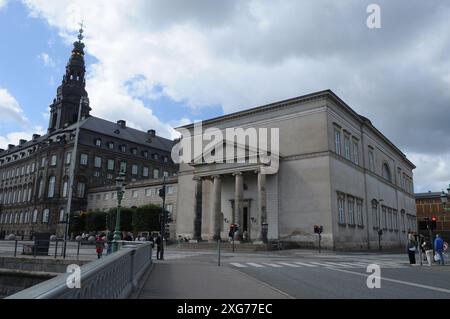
(433, 171)
(3, 3)
(239, 54)
(14, 137)
(10, 109)
(47, 60)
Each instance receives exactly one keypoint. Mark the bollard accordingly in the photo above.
(218, 248)
(15, 249)
(78, 250)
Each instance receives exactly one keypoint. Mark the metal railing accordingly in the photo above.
(114, 277)
(57, 249)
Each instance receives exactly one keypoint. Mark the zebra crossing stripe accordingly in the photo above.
(340, 265)
(255, 265)
(289, 265)
(304, 264)
(273, 265)
(238, 265)
(318, 264)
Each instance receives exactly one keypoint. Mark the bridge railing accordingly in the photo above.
(113, 277)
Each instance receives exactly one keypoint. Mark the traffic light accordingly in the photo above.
(162, 192)
(433, 223)
(316, 229)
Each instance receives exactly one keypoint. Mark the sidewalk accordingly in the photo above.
(197, 279)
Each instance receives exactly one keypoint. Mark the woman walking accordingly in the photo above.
(428, 251)
(411, 249)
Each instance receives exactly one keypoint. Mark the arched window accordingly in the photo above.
(51, 186)
(45, 215)
(41, 187)
(64, 189)
(387, 172)
(35, 216)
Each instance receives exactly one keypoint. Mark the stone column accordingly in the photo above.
(262, 199)
(198, 209)
(238, 202)
(216, 205)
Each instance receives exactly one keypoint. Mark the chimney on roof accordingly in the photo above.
(36, 136)
(10, 146)
(21, 142)
(152, 133)
(122, 123)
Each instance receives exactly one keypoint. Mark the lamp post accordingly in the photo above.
(380, 231)
(120, 187)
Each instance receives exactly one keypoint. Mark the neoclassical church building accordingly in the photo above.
(34, 175)
(336, 170)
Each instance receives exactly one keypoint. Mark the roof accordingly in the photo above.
(325, 94)
(98, 125)
(427, 195)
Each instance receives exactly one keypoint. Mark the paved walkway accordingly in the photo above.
(203, 279)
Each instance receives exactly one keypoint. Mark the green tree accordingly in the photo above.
(146, 218)
(126, 217)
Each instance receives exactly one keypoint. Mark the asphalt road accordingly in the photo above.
(306, 274)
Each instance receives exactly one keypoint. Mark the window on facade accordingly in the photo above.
(109, 176)
(384, 217)
(53, 160)
(24, 195)
(98, 142)
(337, 141)
(341, 212)
(96, 174)
(395, 219)
(390, 221)
(28, 169)
(83, 159)
(16, 218)
(156, 173)
(33, 167)
(62, 215)
(29, 193)
(21, 218)
(64, 189)
(145, 154)
(166, 174)
(155, 157)
(106, 196)
(51, 186)
(387, 172)
(41, 187)
(356, 152)
(43, 162)
(110, 164)
(35, 216)
(135, 194)
(68, 157)
(45, 215)
(145, 171)
(111, 145)
(123, 167)
(80, 190)
(19, 195)
(371, 161)
(134, 169)
(134, 151)
(347, 154)
(123, 148)
(148, 192)
(97, 162)
(22, 171)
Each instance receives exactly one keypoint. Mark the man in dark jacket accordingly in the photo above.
(438, 248)
(158, 243)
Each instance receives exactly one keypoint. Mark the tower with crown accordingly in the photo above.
(64, 109)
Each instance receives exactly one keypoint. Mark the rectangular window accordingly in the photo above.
(356, 152)
(110, 165)
(83, 159)
(347, 154)
(371, 161)
(384, 217)
(359, 212)
(390, 223)
(68, 157)
(62, 215)
(135, 194)
(51, 186)
(106, 196)
(123, 167)
(145, 171)
(96, 174)
(337, 141)
(166, 174)
(53, 160)
(80, 190)
(351, 210)
(45, 214)
(134, 169)
(156, 173)
(109, 176)
(341, 212)
(98, 162)
(148, 192)
(395, 219)
(33, 167)
(111, 145)
(43, 161)
(64, 192)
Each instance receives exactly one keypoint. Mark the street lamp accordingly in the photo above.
(120, 187)
(444, 199)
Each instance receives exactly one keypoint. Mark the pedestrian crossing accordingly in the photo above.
(314, 264)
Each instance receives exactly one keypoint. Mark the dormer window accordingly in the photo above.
(145, 154)
(98, 142)
(155, 157)
(111, 145)
(134, 151)
(123, 148)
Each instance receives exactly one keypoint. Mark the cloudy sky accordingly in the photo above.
(160, 63)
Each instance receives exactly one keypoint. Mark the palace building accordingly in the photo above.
(335, 170)
(34, 175)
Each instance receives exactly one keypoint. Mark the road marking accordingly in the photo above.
(318, 264)
(255, 265)
(304, 264)
(289, 265)
(396, 281)
(341, 265)
(273, 265)
(238, 265)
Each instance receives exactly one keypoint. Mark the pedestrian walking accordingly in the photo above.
(411, 247)
(99, 246)
(158, 243)
(428, 251)
(439, 248)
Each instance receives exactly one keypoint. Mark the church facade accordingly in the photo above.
(34, 175)
(335, 170)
